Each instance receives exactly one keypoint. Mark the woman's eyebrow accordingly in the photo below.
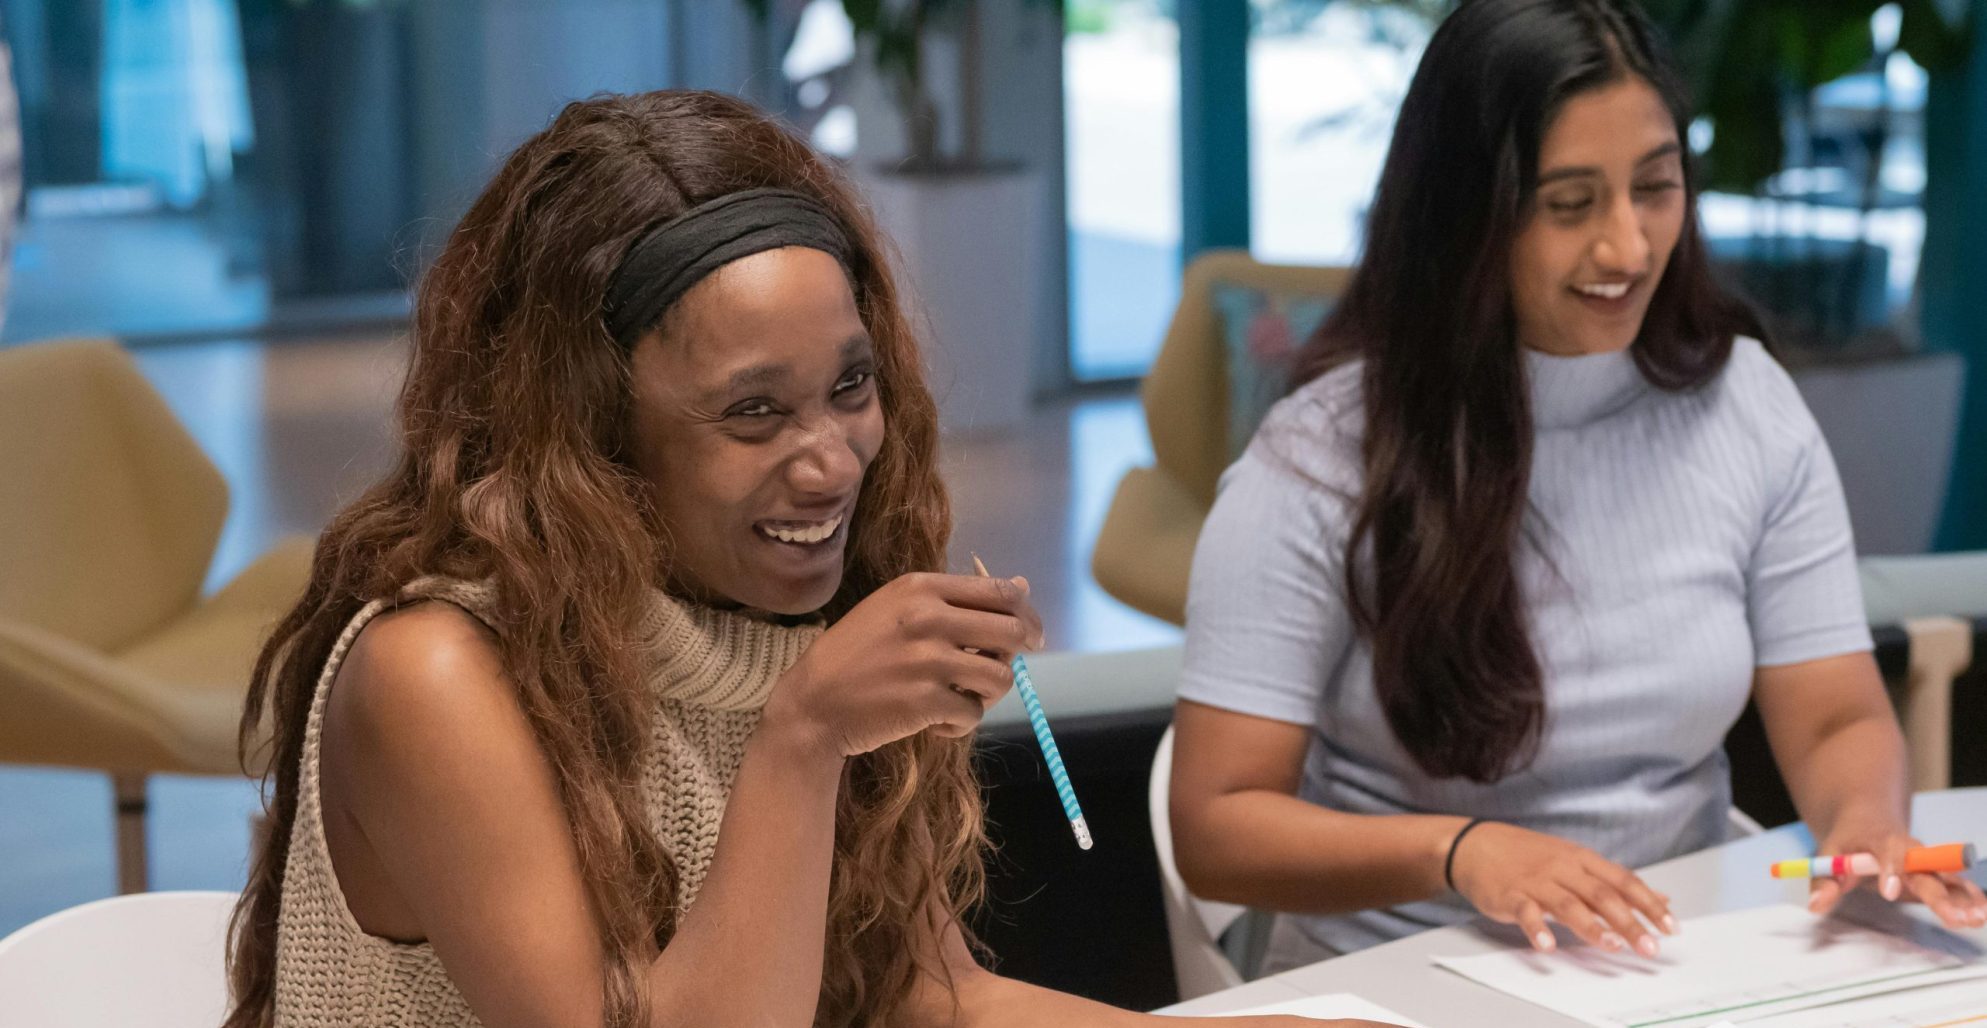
(1669, 149)
(751, 379)
(1559, 174)
(769, 376)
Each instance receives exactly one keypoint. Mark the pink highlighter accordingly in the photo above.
(1950, 858)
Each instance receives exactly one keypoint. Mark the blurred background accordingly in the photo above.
(240, 193)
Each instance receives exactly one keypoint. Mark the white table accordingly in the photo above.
(1400, 976)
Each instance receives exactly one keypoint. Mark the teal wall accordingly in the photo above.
(1214, 125)
(1953, 275)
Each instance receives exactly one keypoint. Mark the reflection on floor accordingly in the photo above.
(300, 428)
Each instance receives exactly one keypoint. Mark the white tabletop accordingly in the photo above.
(1400, 976)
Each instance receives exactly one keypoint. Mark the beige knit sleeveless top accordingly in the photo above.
(711, 672)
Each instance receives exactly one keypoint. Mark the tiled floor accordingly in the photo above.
(299, 428)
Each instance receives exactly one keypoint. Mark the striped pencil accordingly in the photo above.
(1046, 740)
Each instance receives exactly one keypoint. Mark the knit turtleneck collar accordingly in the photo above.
(1570, 392)
(721, 659)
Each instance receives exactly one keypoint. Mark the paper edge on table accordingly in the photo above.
(1334, 1004)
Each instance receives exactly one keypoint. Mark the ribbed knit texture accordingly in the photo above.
(711, 672)
(1676, 543)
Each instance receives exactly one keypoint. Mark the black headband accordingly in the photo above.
(680, 252)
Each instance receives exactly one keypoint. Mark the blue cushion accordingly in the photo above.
(1262, 333)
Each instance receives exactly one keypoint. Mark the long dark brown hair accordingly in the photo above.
(1448, 431)
(513, 423)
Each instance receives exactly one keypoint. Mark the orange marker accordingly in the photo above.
(1952, 857)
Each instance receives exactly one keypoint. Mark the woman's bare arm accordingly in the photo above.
(429, 755)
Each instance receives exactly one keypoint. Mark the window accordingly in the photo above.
(1122, 97)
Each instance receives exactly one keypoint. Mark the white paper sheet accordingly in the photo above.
(1337, 1004)
(1736, 967)
(1941, 1006)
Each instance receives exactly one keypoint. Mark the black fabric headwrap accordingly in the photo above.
(680, 252)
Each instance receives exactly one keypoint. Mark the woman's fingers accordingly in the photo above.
(1652, 905)
(987, 678)
(1972, 900)
(1956, 901)
(1569, 909)
(1606, 900)
(994, 595)
(1823, 894)
(1001, 635)
(955, 711)
(1531, 921)
(1932, 892)
(1890, 881)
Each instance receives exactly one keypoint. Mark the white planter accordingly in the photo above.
(971, 246)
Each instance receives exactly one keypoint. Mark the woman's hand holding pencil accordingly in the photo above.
(1900, 867)
(924, 652)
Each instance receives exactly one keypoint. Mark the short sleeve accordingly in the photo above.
(1266, 619)
(1803, 598)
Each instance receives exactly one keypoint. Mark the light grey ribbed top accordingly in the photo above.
(1682, 539)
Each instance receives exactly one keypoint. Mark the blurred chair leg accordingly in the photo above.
(1941, 650)
(132, 873)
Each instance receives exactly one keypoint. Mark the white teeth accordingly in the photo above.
(1614, 291)
(805, 536)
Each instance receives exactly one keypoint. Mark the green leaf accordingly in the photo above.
(1740, 90)
(1842, 48)
(1748, 144)
(864, 15)
(1933, 36)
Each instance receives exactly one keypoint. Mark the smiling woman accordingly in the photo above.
(1608, 212)
(1471, 617)
(756, 401)
(634, 695)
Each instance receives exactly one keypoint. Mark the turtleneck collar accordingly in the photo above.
(724, 659)
(1569, 392)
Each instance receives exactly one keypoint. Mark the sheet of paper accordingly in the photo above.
(1727, 967)
(1940, 1006)
(1337, 1004)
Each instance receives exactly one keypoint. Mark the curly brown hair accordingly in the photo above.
(513, 426)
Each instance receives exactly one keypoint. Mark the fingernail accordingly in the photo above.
(1545, 942)
(1670, 926)
(1893, 887)
(1646, 945)
(1614, 942)
(1815, 903)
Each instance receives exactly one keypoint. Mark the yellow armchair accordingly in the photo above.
(1146, 546)
(110, 658)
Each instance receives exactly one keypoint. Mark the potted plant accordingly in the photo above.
(971, 230)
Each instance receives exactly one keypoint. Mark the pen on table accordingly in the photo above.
(1045, 739)
(1952, 857)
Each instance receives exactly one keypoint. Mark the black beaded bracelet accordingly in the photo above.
(1449, 862)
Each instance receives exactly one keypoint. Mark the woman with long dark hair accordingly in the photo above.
(633, 695)
(1471, 617)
